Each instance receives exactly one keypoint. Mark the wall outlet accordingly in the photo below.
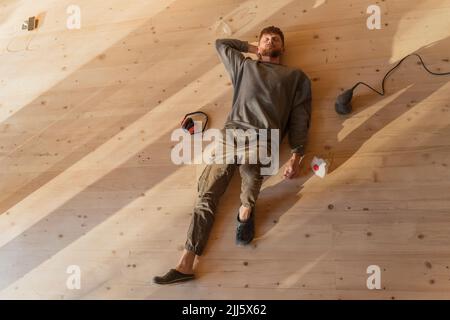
(30, 24)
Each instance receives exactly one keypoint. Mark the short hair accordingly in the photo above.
(272, 29)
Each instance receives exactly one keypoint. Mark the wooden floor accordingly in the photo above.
(86, 177)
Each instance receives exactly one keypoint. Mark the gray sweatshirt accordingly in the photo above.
(267, 95)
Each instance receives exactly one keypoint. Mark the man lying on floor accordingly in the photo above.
(267, 95)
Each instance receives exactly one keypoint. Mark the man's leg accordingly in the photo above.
(211, 185)
(250, 171)
(250, 187)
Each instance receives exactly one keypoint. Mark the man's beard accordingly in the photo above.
(273, 53)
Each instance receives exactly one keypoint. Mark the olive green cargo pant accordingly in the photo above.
(212, 184)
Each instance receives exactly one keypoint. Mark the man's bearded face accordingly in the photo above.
(271, 45)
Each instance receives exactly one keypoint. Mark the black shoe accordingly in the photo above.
(173, 276)
(245, 231)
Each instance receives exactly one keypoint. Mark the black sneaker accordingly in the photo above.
(245, 231)
(173, 276)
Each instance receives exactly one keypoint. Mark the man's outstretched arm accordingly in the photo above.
(299, 123)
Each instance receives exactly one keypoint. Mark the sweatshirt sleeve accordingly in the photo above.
(229, 51)
(300, 117)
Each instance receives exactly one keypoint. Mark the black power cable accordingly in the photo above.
(343, 102)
